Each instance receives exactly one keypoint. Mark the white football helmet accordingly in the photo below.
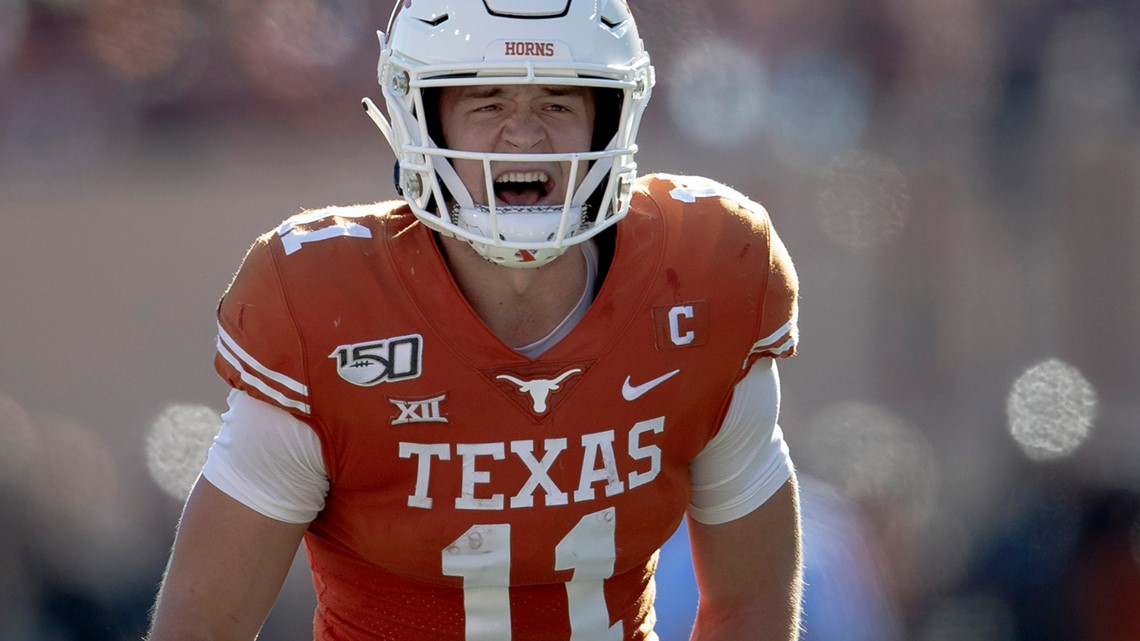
(440, 43)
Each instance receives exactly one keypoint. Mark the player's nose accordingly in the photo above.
(523, 132)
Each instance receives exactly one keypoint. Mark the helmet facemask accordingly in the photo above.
(600, 181)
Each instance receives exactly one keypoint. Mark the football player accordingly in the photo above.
(485, 407)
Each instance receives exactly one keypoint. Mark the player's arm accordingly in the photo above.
(226, 569)
(264, 478)
(263, 482)
(749, 572)
(744, 521)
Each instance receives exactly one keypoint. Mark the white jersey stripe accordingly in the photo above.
(773, 351)
(769, 351)
(792, 327)
(257, 383)
(276, 377)
(788, 335)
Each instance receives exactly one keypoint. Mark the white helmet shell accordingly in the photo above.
(441, 43)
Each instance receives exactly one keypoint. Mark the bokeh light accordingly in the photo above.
(820, 105)
(290, 46)
(1051, 408)
(863, 200)
(717, 93)
(177, 444)
(13, 24)
(142, 40)
(869, 454)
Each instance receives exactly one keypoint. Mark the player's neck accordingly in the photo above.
(519, 305)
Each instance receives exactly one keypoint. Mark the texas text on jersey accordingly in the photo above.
(476, 493)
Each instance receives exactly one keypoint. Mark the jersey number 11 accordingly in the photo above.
(482, 557)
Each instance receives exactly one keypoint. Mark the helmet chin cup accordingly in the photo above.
(522, 227)
(432, 44)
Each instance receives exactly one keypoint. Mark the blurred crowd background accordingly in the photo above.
(957, 180)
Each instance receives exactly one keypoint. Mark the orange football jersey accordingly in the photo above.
(476, 493)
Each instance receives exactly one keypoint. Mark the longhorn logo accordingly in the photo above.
(539, 389)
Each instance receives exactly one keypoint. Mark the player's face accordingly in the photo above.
(518, 119)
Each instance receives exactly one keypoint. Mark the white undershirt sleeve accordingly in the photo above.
(268, 460)
(748, 460)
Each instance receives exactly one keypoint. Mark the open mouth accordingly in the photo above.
(523, 188)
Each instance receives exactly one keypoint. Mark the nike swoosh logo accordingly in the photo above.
(633, 392)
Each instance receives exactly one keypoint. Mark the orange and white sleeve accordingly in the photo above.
(265, 456)
(749, 460)
(778, 333)
(258, 350)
